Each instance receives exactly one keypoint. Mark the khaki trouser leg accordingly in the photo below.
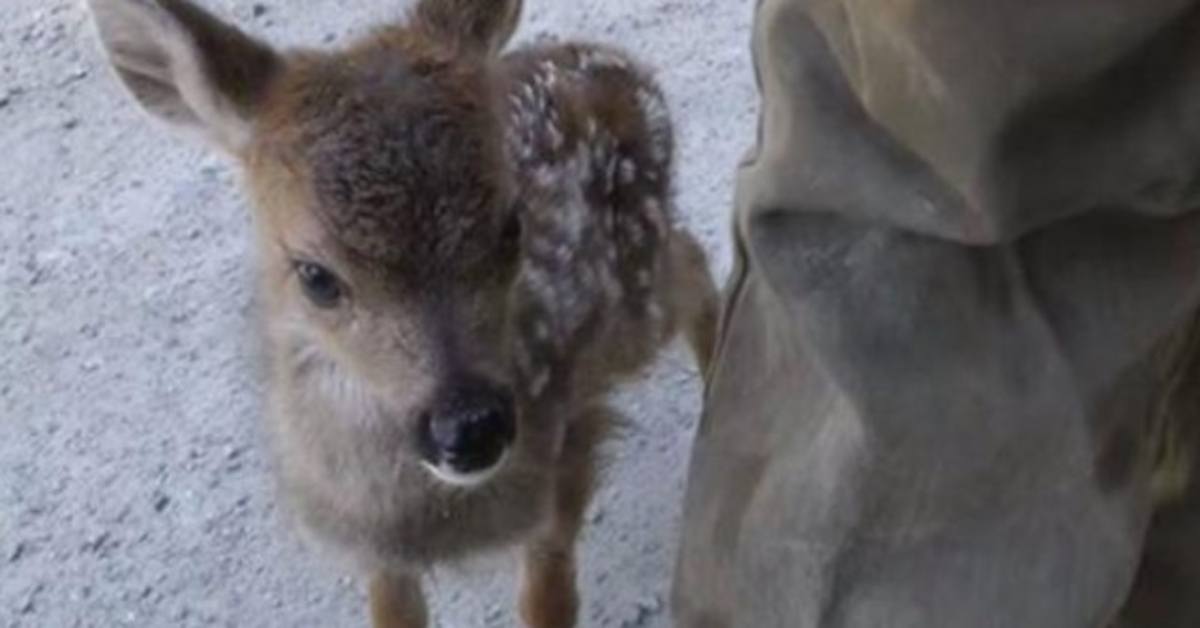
(967, 262)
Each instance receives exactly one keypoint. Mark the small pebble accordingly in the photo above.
(18, 552)
(76, 76)
(31, 602)
(98, 543)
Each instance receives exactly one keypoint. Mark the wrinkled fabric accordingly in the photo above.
(960, 332)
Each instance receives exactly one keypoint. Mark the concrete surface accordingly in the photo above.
(133, 487)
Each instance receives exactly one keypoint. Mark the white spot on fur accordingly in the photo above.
(636, 234)
(654, 108)
(548, 74)
(658, 123)
(541, 284)
(628, 171)
(544, 175)
(555, 136)
(601, 59)
(612, 287)
(537, 383)
(610, 172)
(563, 251)
(655, 311)
(643, 278)
(659, 220)
(525, 358)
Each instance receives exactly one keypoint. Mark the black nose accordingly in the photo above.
(468, 428)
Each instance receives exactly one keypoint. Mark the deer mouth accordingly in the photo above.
(449, 473)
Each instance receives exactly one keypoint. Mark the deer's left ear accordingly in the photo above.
(187, 67)
(482, 26)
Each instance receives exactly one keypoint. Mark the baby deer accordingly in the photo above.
(461, 253)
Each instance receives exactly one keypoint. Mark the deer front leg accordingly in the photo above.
(549, 598)
(548, 595)
(396, 601)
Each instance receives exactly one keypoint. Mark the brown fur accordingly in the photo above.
(402, 164)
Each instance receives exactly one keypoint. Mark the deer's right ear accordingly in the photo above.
(483, 26)
(187, 67)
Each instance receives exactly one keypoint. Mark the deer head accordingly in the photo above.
(387, 234)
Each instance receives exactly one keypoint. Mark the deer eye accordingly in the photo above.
(319, 284)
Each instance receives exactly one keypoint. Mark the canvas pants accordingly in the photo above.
(956, 383)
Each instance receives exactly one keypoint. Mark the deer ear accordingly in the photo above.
(482, 26)
(187, 67)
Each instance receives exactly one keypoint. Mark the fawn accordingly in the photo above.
(461, 252)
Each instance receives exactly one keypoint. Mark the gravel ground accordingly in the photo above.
(133, 486)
